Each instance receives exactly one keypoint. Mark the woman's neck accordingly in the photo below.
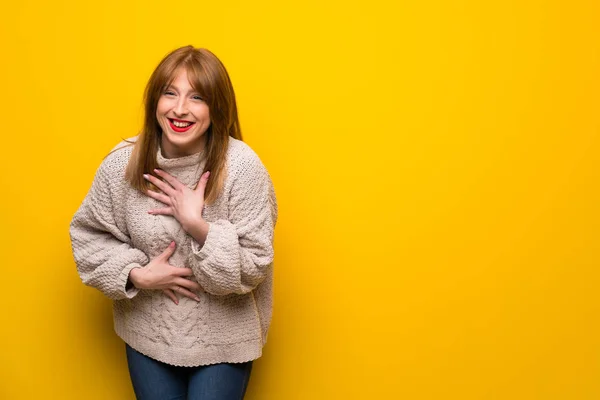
(171, 150)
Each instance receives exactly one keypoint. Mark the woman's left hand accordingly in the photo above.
(182, 202)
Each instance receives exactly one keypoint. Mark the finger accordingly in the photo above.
(185, 292)
(186, 283)
(171, 295)
(183, 271)
(165, 187)
(168, 252)
(161, 211)
(159, 196)
(169, 178)
(201, 186)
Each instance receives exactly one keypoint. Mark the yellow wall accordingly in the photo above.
(436, 165)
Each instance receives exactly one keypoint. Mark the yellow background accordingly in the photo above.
(435, 164)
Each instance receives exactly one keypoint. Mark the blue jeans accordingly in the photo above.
(154, 380)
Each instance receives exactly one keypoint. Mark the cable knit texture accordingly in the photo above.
(112, 233)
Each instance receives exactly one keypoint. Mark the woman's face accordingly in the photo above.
(183, 116)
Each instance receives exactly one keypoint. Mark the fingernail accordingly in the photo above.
(172, 244)
(207, 174)
(197, 298)
(145, 176)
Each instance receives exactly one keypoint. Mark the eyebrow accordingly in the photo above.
(177, 89)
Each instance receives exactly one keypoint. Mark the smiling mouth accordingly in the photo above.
(180, 126)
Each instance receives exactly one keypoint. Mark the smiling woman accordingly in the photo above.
(189, 85)
(177, 223)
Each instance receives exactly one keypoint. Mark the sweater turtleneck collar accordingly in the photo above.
(186, 169)
(178, 162)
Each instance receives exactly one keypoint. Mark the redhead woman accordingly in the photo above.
(177, 229)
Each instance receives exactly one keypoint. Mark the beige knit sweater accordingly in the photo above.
(111, 233)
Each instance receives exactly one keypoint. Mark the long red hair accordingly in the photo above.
(208, 76)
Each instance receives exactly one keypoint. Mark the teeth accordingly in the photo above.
(181, 124)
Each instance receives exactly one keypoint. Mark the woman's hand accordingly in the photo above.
(159, 274)
(182, 202)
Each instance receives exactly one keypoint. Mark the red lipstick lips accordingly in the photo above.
(178, 129)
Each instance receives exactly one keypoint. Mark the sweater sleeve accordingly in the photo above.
(238, 251)
(102, 251)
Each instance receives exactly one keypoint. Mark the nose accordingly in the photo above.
(181, 107)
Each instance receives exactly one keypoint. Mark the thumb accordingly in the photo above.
(202, 182)
(168, 252)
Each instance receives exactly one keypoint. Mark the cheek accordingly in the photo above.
(161, 108)
(204, 113)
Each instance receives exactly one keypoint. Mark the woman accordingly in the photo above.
(177, 229)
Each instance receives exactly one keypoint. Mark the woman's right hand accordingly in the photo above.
(159, 274)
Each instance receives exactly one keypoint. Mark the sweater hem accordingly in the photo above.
(204, 354)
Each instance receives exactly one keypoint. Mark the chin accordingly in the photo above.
(183, 141)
